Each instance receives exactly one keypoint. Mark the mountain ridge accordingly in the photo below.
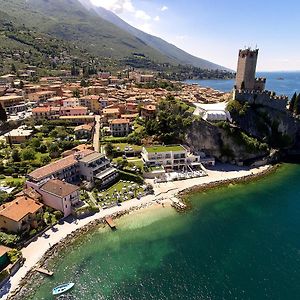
(166, 48)
(81, 24)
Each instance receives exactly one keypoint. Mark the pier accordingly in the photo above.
(44, 271)
(110, 223)
(179, 206)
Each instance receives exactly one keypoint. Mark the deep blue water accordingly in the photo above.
(287, 86)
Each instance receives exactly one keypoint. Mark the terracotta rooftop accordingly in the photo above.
(17, 209)
(4, 250)
(41, 109)
(59, 188)
(129, 116)
(29, 192)
(150, 107)
(73, 108)
(56, 166)
(111, 111)
(120, 121)
(83, 127)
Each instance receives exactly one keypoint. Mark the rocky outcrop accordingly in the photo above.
(277, 128)
(226, 144)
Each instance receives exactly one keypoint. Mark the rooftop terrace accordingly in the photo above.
(166, 148)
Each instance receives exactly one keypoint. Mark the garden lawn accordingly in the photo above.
(117, 187)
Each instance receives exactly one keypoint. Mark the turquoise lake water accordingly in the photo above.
(238, 242)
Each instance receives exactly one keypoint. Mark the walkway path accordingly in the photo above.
(96, 140)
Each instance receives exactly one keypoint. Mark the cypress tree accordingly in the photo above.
(3, 115)
(292, 103)
(297, 105)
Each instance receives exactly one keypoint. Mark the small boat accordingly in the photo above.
(62, 288)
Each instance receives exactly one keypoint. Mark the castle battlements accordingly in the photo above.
(261, 79)
(265, 98)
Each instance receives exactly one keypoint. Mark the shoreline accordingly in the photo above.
(182, 195)
(68, 233)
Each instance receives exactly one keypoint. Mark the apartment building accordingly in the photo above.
(171, 157)
(119, 127)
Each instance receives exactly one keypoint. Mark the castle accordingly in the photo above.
(250, 89)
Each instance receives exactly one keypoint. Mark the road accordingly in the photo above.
(96, 141)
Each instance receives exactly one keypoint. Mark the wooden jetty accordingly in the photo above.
(110, 223)
(44, 271)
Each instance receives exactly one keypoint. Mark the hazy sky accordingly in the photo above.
(216, 29)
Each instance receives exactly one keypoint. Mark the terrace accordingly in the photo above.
(167, 148)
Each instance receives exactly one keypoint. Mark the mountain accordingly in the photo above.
(97, 32)
(71, 21)
(167, 49)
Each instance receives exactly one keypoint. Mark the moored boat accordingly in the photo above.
(62, 288)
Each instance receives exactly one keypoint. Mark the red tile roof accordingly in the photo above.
(17, 209)
(41, 109)
(56, 166)
(120, 121)
(59, 188)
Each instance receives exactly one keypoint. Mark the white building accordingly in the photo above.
(171, 157)
(96, 166)
(213, 112)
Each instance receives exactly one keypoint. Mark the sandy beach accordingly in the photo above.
(165, 192)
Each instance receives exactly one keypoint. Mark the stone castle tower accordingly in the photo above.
(246, 69)
(250, 89)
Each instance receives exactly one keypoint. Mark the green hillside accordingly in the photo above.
(70, 21)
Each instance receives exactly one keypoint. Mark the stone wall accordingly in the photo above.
(265, 98)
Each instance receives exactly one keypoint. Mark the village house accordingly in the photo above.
(73, 111)
(130, 117)
(78, 120)
(41, 96)
(83, 131)
(20, 215)
(60, 195)
(70, 102)
(110, 114)
(91, 102)
(18, 135)
(148, 112)
(9, 102)
(119, 127)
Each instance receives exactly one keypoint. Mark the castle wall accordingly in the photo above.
(264, 98)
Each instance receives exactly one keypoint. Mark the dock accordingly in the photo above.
(44, 271)
(111, 223)
(179, 206)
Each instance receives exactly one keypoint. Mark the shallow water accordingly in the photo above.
(238, 242)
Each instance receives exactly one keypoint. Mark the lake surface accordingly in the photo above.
(238, 242)
(283, 83)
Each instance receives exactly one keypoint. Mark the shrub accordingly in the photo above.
(8, 239)
(14, 255)
(32, 232)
